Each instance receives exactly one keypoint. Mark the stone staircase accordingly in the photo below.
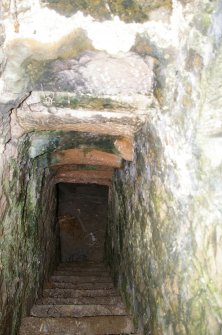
(79, 299)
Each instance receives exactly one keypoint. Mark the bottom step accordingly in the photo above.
(73, 311)
(97, 325)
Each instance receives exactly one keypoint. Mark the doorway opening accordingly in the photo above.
(82, 216)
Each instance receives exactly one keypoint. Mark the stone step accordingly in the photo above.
(86, 286)
(83, 265)
(82, 274)
(70, 293)
(83, 268)
(96, 325)
(81, 301)
(74, 311)
(62, 333)
(79, 279)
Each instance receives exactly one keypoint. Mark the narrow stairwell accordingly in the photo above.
(79, 299)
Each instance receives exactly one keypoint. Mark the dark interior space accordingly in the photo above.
(82, 215)
(79, 297)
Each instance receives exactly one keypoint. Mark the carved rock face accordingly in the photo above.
(99, 74)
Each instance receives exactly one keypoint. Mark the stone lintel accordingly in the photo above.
(85, 177)
(85, 156)
(101, 123)
(78, 167)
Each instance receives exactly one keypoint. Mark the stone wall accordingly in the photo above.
(164, 233)
(28, 232)
(151, 244)
(164, 238)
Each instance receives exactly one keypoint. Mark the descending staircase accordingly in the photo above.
(79, 299)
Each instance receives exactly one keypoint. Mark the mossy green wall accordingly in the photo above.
(164, 234)
(163, 246)
(28, 233)
(141, 237)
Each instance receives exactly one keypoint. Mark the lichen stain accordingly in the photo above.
(127, 10)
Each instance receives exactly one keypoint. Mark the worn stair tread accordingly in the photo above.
(83, 268)
(83, 265)
(96, 325)
(82, 273)
(58, 311)
(65, 333)
(77, 279)
(80, 301)
(71, 293)
(80, 286)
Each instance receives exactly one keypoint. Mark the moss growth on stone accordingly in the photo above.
(88, 167)
(136, 10)
(145, 47)
(87, 102)
(95, 8)
(73, 45)
(22, 245)
(204, 20)
(38, 68)
(44, 143)
(127, 10)
(34, 69)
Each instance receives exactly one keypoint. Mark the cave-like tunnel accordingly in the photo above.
(82, 215)
(110, 167)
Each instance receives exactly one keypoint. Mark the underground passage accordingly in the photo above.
(110, 167)
(82, 216)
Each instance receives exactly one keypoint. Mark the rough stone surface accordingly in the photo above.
(164, 231)
(96, 73)
(127, 10)
(40, 112)
(85, 156)
(28, 238)
(116, 68)
(49, 142)
(95, 325)
(85, 317)
(85, 177)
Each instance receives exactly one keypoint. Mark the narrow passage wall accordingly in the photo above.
(164, 239)
(164, 235)
(28, 232)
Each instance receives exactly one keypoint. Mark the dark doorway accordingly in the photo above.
(82, 214)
